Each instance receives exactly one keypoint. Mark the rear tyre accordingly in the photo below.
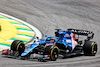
(53, 51)
(90, 48)
(18, 45)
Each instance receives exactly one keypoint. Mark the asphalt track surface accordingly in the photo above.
(47, 15)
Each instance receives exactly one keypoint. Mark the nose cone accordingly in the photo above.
(23, 54)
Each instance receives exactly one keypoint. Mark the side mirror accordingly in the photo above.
(37, 37)
(34, 40)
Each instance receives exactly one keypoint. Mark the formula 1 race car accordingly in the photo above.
(64, 43)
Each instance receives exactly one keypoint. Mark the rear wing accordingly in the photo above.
(89, 34)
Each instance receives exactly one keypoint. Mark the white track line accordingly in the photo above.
(9, 19)
(9, 41)
(37, 32)
(26, 31)
(20, 25)
(23, 36)
(4, 47)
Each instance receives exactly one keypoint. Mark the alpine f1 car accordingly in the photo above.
(63, 43)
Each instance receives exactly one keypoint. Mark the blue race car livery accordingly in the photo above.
(64, 43)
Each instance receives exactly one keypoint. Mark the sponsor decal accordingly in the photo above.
(48, 44)
(5, 51)
(69, 41)
(66, 35)
(82, 32)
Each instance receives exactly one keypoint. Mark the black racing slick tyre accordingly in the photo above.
(53, 51)
(18, 45)
(90, 48)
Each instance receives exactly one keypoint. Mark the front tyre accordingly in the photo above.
(90, 48)
(18, 45)
(53, 51)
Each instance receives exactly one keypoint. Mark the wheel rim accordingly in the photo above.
(21, 48)
(20, 45)
(94, 48)
(54, 54)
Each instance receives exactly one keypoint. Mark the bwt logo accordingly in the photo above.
(66, 35)
(80, 31)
